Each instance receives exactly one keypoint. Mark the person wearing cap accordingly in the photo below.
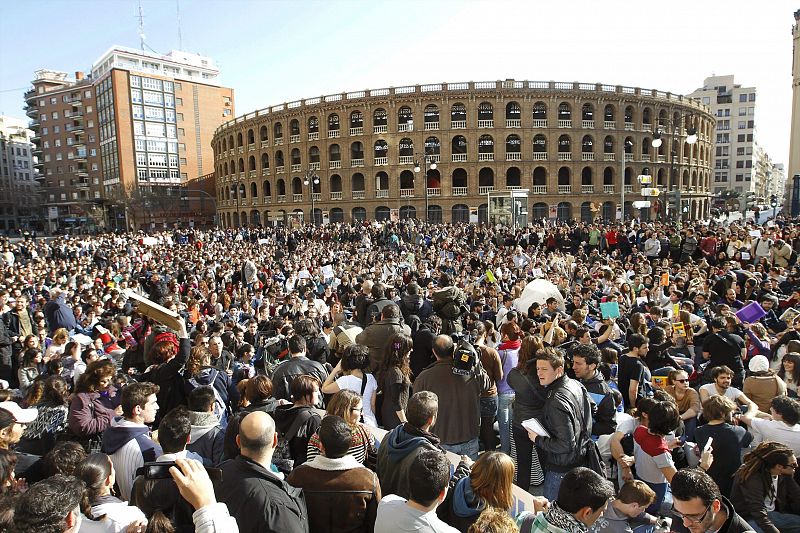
(13, 420)
(763, 384)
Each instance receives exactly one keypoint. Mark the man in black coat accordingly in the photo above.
(58, 313)
(698, 502)
(585, 359)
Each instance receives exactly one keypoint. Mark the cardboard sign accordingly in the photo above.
(610, 309)
(665, 279)
(676, 312)
(679, 328)
(327, 271)
(659, 382)
(152, 310)
(490, 276)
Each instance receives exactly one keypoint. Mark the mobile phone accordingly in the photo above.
(160, 470)
(707, 447)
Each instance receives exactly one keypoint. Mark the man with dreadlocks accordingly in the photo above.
(764, 491)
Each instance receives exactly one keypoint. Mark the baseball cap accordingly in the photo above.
(20, 415)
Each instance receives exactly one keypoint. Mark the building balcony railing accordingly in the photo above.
(297, 197)
(539, 189)
(434, 158)
(431, 126)
(513, 123)
(314, 165)
(540, 123)
(459, 158)
(406, 193)
(268, 199)
(252, 173)
(334, 164)
(628, 157)
(564, 123)
(434, 191)
(295, 168)
(240, 149)
(485, 189)
(313, 136)
(357, 162)
(279, 170)
(279, 141)
(408, 126)
(513, 156)
(662, 158)
(645, 158)
(608, 189)
(486, 157)
(251, 147)
(459, 191)
(486, 123)
(628, 189)
(609, 157)
(265, 172)
(383, 128)
(381, 161)
(565, 156)
(458, 124)
(587, 124)
(382, 193)
(357, 131)
(281, 198)
(333, 134)
(513, 187)
(685, 160)
(336, 195)
(564, 189)
(316, 196)
(264, 144)
(359, 195)
(587, 156)
(647, 127)
(587, 189)
(406, 159)
(540, 156)
(294, 138)
(609, 124)
(629, 126)
(241, 175)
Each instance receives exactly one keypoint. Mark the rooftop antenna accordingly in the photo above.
(180, 36)
(142, 36)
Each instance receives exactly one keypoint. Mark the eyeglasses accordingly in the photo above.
(793, 466)
(682, 380)
(691, 518)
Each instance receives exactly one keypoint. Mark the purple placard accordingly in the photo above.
(751, 313)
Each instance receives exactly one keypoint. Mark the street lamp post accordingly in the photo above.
(691, 138)
(622, 182)
(312, 178)
(425, 166)
(235, 192)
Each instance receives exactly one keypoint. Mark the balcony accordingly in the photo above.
(565, 189)
(587, 156)
(587, 189)
(609, 157)
(279, 141)
(295, 168)
(264, 144)
(513, 123)
(336, 195)
(75, 114)
(645, 158)
(32, 111)
(406, 159)
(459, 191)
(313, 166)
(313, 136)
(431, 126)
(380, 129)
(564, 123)
(587, 124)
(628, 189)
(279, 170)
(82, 184)
(241, 175)
(251, 147)
(459, 158)
(334, 164)
(608, 189)
(408, 126)
(382, 193)
(685, 160)
(662, 158)
(458, 124)
(359, 195)
(565, 156)
(77, 102)
(281, 198)
(486, 157)
(333, 134)
(30, 94)
(406, 193)
(80, 155)
(628, 158)
(357, 131)
(434, 191)
(540, 156)
(513, 156)
(485, 189)
(540, 123)
(294, 138)
(316, 196)
(265, 172)
(609, 124)
(357, 162)
(486, 123)
(252, 173)
(240, 149)
(268, 199)
(539, 189)
(381, 161)
(628, 126)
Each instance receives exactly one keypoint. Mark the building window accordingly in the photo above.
(55, 115)
(53, 100)
(743, 98)
(179, 101)
(752, 97)
(180, 116)
(181, 132)
(226, 112)
(178, 86)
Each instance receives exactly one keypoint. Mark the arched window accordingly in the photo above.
(628, 116)
(404, 116)
(381, 181)
(333, 122)
(313, 125)
(435, 214)
(662, 118)
(431, 116)
(647, 119)
(296, 156)
(281, 187)
(539, 211)
(379, 117)
(242, 191)
(264, 161)
(266, 188)
(313, 154)
(513, 111)
(608, 113)
(564, 176)
(646, 144)
(458, 115)
(294, 127)
(564, 111)
(539, 144)
(336, 215)
(608, 176)
(432, 146)
(485, 144)
(540, 177)
(608, 145)
(513, 144)
(239, 140)
(230, 142)
(253, 190)
(586, 212)
(459, 145)
(539, 111)
(241, 165)
(279, 158)
(224, 145)
(336, 183)
(356, 119)
(334, 153)
(486, 177)
(263, 133)
(587, 144)
(485, 114)
(359, 214)
(297, 186)
(610, 211)
(406, 180)
(251, 137)
(564, 144)
(460, 178)
(587, 112)
(564, 212)
(460, 214)
(382, 213)
(406, 147)
(513, 178)
(358, 182)
(381, 148)
(408, 211)
(356, 150)
(586, 176)
(277, 131)
(251, 163)
(628, 145)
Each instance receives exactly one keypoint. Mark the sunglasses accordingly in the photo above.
(682, 380)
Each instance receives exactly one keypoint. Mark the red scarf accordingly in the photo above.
(510, 345)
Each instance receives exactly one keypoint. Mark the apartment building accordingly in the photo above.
(119, 143)
(18, 188)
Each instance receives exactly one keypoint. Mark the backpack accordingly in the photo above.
(220, 408)
(282, 457)
(450, 311)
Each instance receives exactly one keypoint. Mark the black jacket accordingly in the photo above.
(748, 499)
(259, 501)
(567, 411)
(168, 377)
(288, 370)
(605, 421)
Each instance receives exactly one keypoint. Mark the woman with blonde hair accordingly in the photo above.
(686, 398)
(487, 486)
(348, 405)
(57, 345)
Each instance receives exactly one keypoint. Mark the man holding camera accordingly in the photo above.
(459, 386)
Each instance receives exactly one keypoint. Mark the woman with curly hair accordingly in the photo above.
(351, 373)
(95, 403)
(395, 380)
(764, 492)
(40, 435)
(346, 404)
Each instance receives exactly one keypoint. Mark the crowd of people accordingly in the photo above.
(400, 376)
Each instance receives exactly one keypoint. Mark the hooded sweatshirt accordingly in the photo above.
(129, 446)
(207, 438)
(464, 506)
(395, 455)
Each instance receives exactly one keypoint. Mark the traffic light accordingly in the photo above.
(751, 200)
(672, 199)
(773, 200)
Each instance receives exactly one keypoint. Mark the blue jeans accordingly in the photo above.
(786, 523)
(662, 505)
(552, 482)
(469, 448)
(505, 408)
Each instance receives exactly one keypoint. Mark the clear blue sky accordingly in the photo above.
(277, 51)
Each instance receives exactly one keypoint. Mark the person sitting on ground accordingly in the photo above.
(784, 426)
(763, 384)
(340, 493)
(628, 510)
